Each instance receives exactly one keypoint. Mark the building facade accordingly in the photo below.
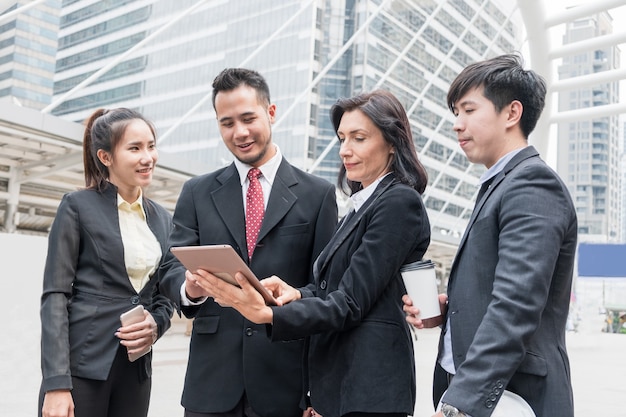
(623, 182)
(589, 148)
(28, 47)
(160, 57)
(186, 43)
(311, 52)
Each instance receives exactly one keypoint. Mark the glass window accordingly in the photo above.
(99, 99)
(113, 25)
(447, 183)
(426, 117)
(466, 190)
(462, 7)
(454, 210)
(91, 10)
(434, 204)
(449, 22)
(436, 39)
(100, 52)
(460, 161)
(121, 70)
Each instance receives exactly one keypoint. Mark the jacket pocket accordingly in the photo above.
(533, 365)
(206, 325)
(294, 229)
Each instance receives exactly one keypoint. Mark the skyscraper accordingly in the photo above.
(160, 57)
(623, 183)
(185, 45)
(589, 147)
(311, 52)
(28, 47)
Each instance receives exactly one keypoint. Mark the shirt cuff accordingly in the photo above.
(185, 301)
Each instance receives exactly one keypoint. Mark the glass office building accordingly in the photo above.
(310, 51)
(28, 46)
(415, 49)
(173, 70)
(590, 146)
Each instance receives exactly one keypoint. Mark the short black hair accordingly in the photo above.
(503, 80)
(231, 78)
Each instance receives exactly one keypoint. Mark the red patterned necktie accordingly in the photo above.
(255, 209)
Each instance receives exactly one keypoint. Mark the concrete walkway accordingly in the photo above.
(598, 359)
(598, 363)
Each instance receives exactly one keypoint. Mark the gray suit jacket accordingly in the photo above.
(228, 354)
(509, 293)
(86, 288)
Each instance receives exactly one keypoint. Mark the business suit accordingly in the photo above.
(361, 353)
(229, 354)
(509, 292)
(86, 288)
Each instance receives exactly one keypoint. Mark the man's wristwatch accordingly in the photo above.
(451, 411)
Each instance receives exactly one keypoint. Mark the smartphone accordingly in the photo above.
(135, 315)
(132, 316)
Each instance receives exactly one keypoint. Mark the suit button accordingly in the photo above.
(249, 331)
(323, 284)
(488, 404)
(135, 299)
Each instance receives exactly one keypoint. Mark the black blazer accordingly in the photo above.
(227, 353)
(86, 288)
(509, 293)
(361, 351)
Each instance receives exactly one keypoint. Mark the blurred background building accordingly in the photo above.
(62, 59)
(589, 147)
(28, 49)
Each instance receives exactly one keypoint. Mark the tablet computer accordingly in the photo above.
(223, 262)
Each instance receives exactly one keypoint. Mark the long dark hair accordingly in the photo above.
(387, 113)
(104, 130)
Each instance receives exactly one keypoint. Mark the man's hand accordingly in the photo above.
(244, 298)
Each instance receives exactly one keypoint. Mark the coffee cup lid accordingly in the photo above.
(413, 266)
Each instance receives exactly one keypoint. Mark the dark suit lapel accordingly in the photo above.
(281, 198)
(524, 154)
(228, 201)
(346, 228)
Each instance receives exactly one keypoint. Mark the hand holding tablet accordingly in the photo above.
(223, 262)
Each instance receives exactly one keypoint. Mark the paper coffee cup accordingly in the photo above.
(421, 285)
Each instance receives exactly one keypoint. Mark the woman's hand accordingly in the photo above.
(282, 292)
(412, 313)
(139, 336)
(58, 403)
(245, 298)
